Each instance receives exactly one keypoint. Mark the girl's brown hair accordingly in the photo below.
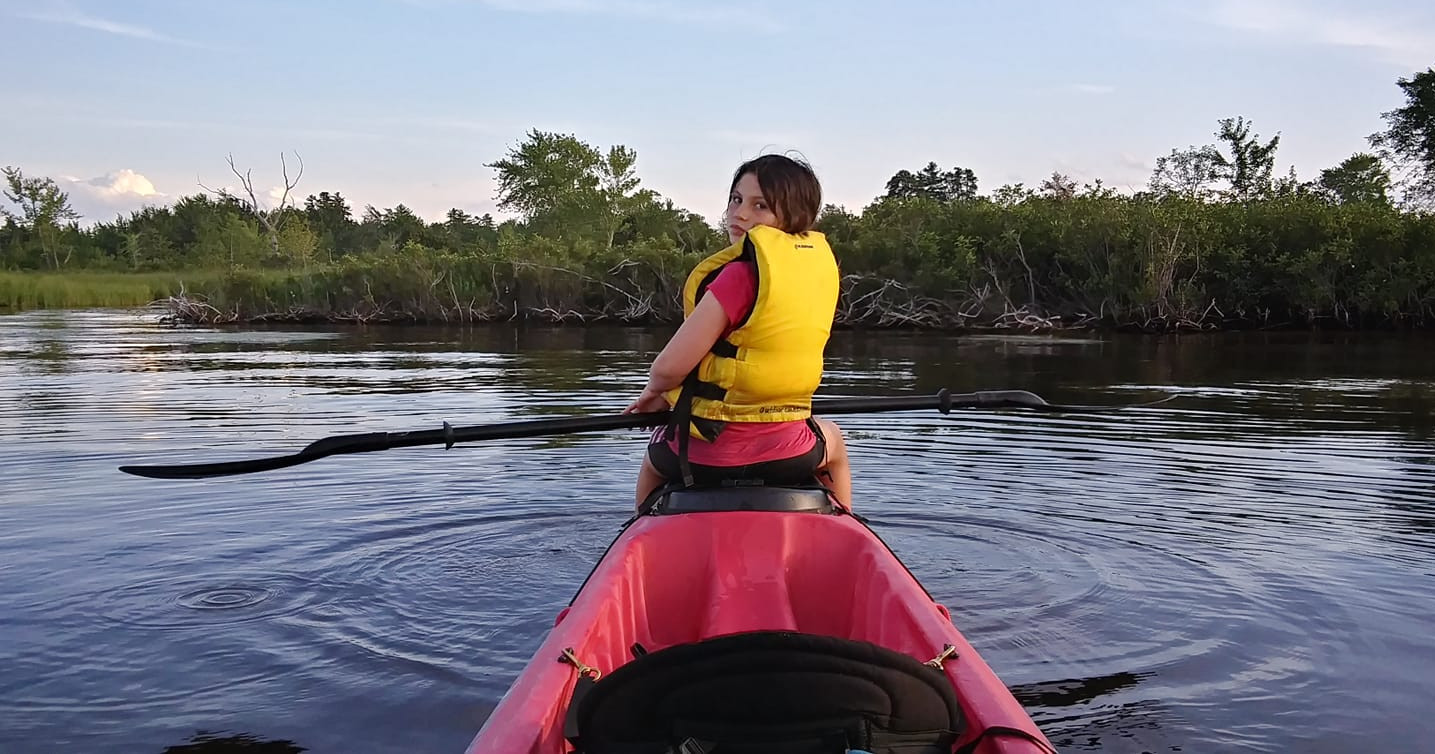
(790, 188)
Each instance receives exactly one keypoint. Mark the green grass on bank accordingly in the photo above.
(20, 291)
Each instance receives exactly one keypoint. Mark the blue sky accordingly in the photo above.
(403, 101)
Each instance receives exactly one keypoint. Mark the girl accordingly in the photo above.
(757, 317)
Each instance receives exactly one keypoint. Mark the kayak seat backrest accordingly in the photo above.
(776, 692)
(812, 499)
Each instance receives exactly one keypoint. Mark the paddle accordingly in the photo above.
(367, 442)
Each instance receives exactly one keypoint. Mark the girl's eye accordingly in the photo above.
(734, 199)
(762, 206)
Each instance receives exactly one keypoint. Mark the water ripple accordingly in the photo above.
(206, 601)
(1246, 567)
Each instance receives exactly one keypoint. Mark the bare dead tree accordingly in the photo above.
(271, 219)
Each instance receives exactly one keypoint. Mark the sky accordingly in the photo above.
(404, 101)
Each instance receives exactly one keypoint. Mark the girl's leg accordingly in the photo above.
(648, 480)
(835, 472)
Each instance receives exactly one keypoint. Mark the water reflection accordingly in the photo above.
(1074, 691)
(1257, 550)
(1368, 381)
(1137, 726)
(237, 743)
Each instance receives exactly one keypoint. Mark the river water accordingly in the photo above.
(1249, 567)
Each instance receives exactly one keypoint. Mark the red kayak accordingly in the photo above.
(755, 619)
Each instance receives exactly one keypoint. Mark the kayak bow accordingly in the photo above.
(755, 619)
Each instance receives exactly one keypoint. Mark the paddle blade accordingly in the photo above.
(225, 468)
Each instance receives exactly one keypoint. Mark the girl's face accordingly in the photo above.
(746, 207)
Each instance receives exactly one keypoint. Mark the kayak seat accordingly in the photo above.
(793, 499)
(776, 692)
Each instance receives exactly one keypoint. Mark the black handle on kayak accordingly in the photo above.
(367, 442)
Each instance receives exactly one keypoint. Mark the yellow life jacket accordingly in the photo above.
(770, 364)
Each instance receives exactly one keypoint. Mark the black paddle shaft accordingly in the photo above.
(367, 442)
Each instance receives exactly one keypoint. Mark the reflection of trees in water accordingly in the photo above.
(1291, 383)
(47, 353)
(1138, 726)
(1416, 521)
(1073, 691)
(1309, 393)
(1089, 728)
(550, 357)
(1287, 383)
(205, 742)
(1411, 407)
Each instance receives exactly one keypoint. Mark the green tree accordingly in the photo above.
(838, 224)
(145, 245)
(43, 207)
(553, 180)
(1409, 140)
(107, 239)
(457, 229)
(660, 218)
(565, 188)
(1359, 178)
(272, 220)
(12, 242)
(1058, 186)
(231, 240)
(146, 235)
(1011, 194)
(1251, 162)
(932, 183)
(1194, 172)
(329, 217)
(1191, 173)
(297, 243)
(461, 231)
(394, 228)
(618, 186)
(191, 216)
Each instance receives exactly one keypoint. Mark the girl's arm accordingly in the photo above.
(693, 339)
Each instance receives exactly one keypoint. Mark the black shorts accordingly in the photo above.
(794, 470)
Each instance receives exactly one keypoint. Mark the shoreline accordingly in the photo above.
(246, 297)
(185, 311)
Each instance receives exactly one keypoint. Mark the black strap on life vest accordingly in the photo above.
(682, 424)
(683, 420)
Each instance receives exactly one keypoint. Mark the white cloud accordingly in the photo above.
(1401, 42)
(63, 14)
(276, 195)
(123, 183)
(114, 193)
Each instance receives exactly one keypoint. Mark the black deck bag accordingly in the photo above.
(774, 692)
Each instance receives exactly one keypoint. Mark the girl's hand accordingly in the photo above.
(682, 354)
(650, 400)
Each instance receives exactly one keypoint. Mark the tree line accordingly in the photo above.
(1216, 239)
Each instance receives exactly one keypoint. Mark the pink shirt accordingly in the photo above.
(744, 442)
